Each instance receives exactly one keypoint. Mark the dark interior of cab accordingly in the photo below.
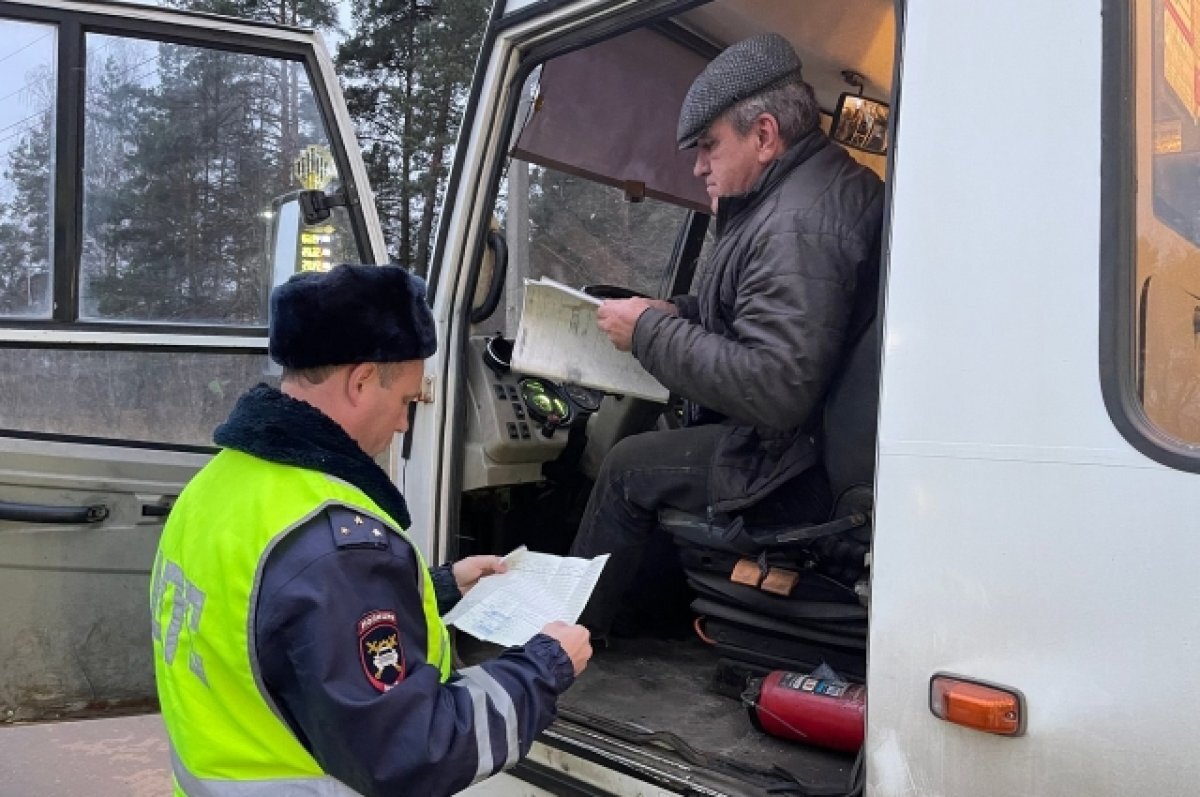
(720, 602)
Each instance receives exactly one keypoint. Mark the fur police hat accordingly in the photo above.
(350, 314)
(742, 70)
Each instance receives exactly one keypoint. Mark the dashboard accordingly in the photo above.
(516, 422)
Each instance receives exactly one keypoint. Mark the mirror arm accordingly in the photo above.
(315, 206)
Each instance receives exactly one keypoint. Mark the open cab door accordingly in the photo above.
(150, 164)
(567, 168)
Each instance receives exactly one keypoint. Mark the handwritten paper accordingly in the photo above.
(538, 588)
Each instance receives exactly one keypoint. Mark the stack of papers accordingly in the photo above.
(558, 339)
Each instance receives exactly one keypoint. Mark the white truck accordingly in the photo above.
(1031, 600)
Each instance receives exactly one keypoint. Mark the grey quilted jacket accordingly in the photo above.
(757, 343)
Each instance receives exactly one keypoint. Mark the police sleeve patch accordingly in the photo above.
(379, 649)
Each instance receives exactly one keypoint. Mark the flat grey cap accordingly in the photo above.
(742, 70)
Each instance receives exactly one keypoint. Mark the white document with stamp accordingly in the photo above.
(538, 588)
(558, 339)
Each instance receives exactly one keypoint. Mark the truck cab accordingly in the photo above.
(1034, 428)
(1033, 403)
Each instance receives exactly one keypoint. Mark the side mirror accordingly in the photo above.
(861, 123)
(283, 237)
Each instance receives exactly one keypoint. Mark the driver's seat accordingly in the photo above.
(783, 594)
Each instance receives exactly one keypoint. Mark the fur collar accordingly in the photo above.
(269, 425)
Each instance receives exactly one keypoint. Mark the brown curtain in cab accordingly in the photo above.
(608, 113)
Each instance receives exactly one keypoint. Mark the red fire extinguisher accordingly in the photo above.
(809, 709)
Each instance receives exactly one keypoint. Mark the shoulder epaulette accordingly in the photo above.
(354, 529)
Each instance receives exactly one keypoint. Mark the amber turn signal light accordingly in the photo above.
(975, 705)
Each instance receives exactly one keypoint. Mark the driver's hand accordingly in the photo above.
(617, 318)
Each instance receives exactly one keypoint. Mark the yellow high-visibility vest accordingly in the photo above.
(226, 738)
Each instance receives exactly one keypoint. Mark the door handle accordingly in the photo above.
(37, 513)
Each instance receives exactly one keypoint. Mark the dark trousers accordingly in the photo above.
(642, 474)
(652, 471)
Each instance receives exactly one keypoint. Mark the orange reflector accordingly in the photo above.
(981, 707)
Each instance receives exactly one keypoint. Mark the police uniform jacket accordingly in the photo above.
(380, 725)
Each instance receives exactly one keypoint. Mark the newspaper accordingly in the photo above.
(510, 608)
(558, 339)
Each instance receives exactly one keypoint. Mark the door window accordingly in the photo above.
(27, 56)
(1166, 289)
(189, 153)
(580, 233)
(186, 215)
(585, 233)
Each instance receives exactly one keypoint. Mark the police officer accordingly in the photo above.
(297, 634)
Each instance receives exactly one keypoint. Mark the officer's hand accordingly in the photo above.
(574, 640)
(467, 572)
(617, 318)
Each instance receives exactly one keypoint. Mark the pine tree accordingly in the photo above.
(181, 168)
(406, 69)
(173, 167)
